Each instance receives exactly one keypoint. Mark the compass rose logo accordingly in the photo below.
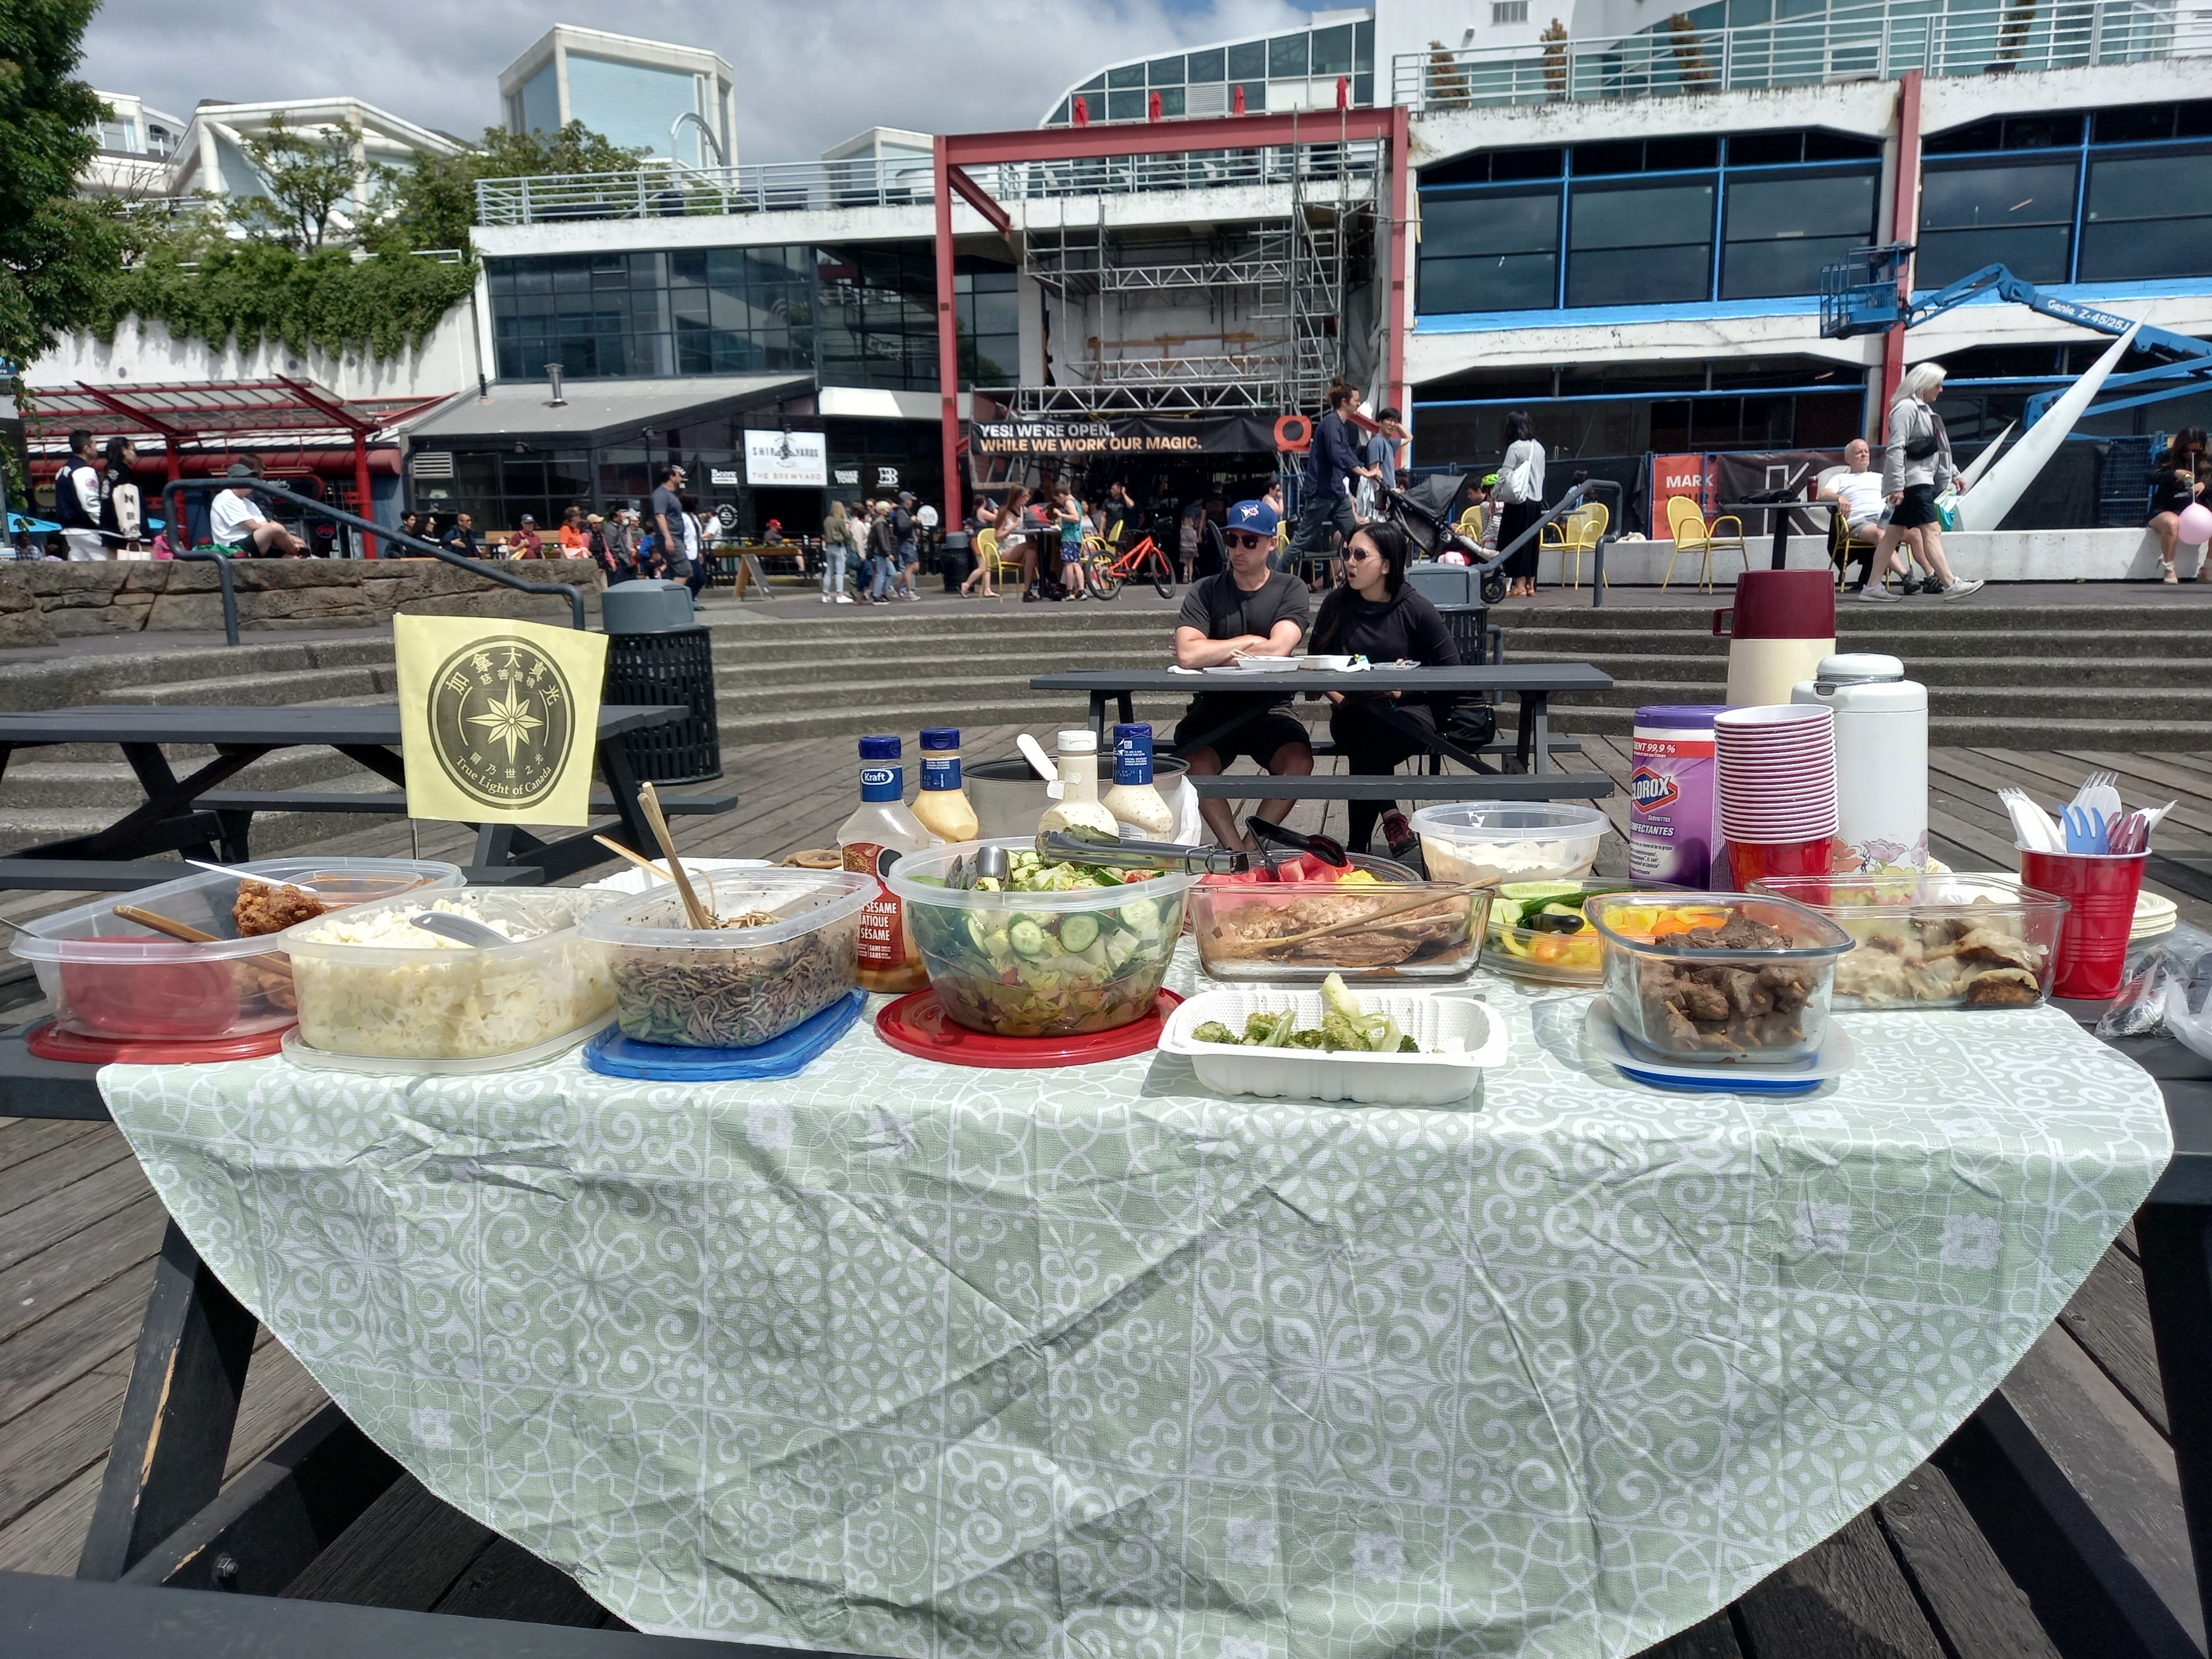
(501, 719)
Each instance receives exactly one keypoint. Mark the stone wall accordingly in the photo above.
(45, 602)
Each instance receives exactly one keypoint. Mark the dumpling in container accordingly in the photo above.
(2004, 987)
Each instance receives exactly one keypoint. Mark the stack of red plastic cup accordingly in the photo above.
(1775, 766)
(2100, 888)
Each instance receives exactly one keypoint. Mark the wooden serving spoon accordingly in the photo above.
(185, 933)
(639, 860)
(1373, 917)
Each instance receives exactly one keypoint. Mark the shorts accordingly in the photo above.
(1258, 738)
(1918, 507)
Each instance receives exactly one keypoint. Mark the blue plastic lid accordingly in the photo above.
(1677, 715)
(940, 737)
(879, 748)
(612, 1054)
(1131, 733)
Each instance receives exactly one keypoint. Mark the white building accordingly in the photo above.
(137, 150)
(677, 102)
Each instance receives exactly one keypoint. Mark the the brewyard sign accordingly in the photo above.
(497, 719)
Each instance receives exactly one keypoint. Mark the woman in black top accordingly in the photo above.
(1374, 615)
(2177, 479)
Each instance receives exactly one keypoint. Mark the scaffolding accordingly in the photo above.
(1272, 289)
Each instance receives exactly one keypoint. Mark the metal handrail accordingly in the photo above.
(173, 505)
(666, 190)
(1848, 43)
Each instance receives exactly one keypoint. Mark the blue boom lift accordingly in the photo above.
(1860, 293)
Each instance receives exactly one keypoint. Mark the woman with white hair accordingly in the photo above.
(1916, 468)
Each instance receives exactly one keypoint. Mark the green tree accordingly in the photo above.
(308, 176)
(58, 256)
(434, 203)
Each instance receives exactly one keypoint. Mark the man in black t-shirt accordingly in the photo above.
(1247, 610)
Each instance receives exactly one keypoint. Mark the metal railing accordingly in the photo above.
(666, 191)
(174, 506)
(1857, 43)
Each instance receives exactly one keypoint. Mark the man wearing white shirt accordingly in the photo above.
(235, 520)
(1857, 491)
(77, 501)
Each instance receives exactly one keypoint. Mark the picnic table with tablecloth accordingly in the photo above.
(897, 1358)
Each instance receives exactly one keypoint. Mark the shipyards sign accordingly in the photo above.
(1134, 434)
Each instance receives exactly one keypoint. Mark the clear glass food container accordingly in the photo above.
(725, 988)
(109, 977)
(1427, 932)
(1936, 941)
(367, 986)
(1718, 978)
(1537, 931)
(1040, 965)
(1491, 843)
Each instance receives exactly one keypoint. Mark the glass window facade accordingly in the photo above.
(849, 316)
(1640, 219)
(1310, 59)
(2116, 195)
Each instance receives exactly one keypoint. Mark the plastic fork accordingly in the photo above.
(2085, 830)
(2099, 794)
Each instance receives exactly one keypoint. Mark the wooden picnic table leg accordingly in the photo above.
(1539, 756)
(173, 1438)
(622, 785)
(1526, 744)
(165, 797)
(2176, 1242)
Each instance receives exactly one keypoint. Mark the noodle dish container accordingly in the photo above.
(733, 988)
(372, 984)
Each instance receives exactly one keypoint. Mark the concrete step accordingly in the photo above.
(1982, 611)
(273, 832)
(1958, 730)
(64, 682)
(1553, 644)
(2089, 670)
(830, 673)
(361, 683)
(2187, 708)
(1038, 711)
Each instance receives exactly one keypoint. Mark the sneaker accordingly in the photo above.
(1959, 590)
(844, 598)
(1876, 591)
(1912, 585)
(825, 599)
(1932, 589)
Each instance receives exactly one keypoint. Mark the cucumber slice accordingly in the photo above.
(1076, 931)
(1522, 891)
(979, 935)
(1028, 938)
(1142, 914)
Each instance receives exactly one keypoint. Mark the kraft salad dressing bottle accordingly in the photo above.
(943, 807)
(1135, 805)
(871, 840)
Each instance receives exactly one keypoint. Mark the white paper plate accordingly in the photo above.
(301, 1052)
(1326, 664)
(1257, 665)
(1436, 1020)
(1604, 1040)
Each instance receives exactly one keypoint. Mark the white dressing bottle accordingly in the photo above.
(1077, 807)
(1133, 803)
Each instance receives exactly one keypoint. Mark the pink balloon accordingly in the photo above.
(2196, 527)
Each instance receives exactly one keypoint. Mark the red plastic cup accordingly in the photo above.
(2101, 888)
(1750, 859)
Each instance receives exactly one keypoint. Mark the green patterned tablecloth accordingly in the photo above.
(904, 1359)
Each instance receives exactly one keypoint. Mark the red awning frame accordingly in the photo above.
(254, 411)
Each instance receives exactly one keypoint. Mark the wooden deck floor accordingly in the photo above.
(1952, 1565)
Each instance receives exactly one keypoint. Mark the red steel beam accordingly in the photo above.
(948, 340)
(1172, 138)
(1904, 227)
(1400, 252)
(331, 407)
(979, 198)
(132, 411)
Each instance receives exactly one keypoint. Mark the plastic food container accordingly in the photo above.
(1040, 965)
(365, 987)
(1946, 941)
(1460, 1036)
(727, 987)
(1493, 842)
(1428, 931)
(1537, 931)
(1718, 978)
(109, 977)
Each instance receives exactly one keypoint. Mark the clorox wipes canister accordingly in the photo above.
(1673, 820)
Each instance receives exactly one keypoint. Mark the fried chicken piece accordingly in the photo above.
(262, 907)
(2004, 987)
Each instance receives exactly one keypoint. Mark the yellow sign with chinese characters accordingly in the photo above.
(497, 719)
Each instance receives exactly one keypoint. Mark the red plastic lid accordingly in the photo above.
(1785, 604)
(916, 1024)
(50, 1041)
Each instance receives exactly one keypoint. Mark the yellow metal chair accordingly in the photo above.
(1586, 528)
(987, 550)
(1693, 535)
(1470, 525)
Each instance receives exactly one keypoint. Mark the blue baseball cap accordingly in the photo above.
(1257, 517)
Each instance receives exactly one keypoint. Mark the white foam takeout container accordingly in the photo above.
(1435, 1020)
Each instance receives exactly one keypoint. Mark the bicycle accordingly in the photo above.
(1107, 571)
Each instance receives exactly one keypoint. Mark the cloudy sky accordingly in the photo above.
(810, 72)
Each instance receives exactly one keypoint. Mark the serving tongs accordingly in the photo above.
(1119, 855)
